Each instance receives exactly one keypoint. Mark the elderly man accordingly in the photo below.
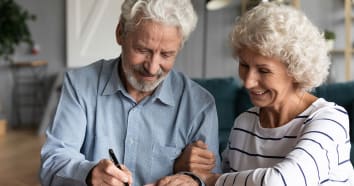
(135, 104)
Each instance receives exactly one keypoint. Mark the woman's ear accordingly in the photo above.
(119, 33)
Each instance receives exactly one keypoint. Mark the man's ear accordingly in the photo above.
(119, 33)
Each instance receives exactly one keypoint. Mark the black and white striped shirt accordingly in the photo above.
(312, 149)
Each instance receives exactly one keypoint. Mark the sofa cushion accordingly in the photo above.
(351, 126)
(243, 101)
(351, 119)
(225, 92)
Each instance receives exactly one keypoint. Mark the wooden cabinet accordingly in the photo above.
(28, 91)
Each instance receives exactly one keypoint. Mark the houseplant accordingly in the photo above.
(330, 37)
(13, 28)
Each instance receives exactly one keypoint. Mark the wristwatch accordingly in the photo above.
(194, 177)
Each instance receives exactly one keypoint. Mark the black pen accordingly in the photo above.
(115, 161)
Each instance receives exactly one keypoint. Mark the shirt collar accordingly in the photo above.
(163, 92)
(114, 83)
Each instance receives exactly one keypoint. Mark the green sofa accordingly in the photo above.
(232, 99)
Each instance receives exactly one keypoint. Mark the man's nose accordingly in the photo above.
(152, 66)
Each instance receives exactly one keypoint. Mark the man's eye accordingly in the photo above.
(142, 50)
(166, 54)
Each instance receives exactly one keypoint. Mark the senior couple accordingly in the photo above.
(163, 127)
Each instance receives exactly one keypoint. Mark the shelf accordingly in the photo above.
(295, 3)
(36, 63)
(340, 51)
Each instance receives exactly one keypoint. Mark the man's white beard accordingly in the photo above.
(142, 85)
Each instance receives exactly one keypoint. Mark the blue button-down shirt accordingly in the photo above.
(96, 113)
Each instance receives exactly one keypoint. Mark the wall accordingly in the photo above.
(90, 31)
(49, 32)
(207, 52)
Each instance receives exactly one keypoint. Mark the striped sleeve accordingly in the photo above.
(320, 157)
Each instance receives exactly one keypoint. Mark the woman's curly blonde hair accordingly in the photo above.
(286, 33)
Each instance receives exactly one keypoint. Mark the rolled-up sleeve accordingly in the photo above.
(212, 133)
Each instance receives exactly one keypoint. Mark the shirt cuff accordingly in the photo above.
(85, 168)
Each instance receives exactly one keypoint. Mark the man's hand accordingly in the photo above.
(106, 173)
(177, 179)
(195, 158)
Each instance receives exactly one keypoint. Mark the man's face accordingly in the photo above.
(148, 53)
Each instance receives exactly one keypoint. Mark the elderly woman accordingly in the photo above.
(289, 137)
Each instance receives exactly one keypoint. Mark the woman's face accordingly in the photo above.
(266, 79)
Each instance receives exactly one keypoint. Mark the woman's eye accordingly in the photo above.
(244, 65)
(264, 70)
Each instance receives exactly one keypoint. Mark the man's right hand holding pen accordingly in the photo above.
(107, 173)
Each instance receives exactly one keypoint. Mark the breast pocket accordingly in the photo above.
(163, 158)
